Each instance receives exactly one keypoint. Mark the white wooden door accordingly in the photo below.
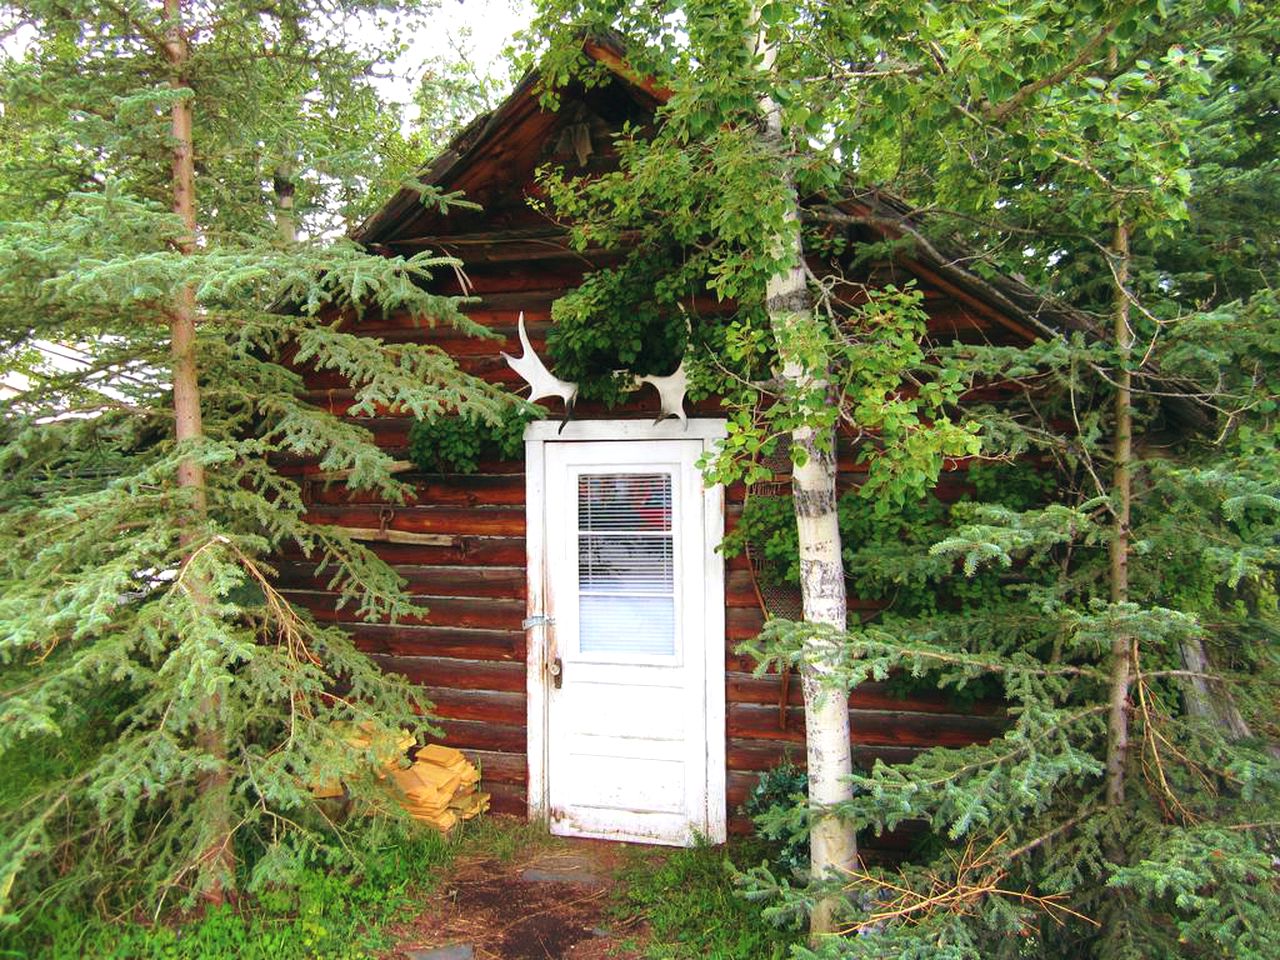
(635, 649)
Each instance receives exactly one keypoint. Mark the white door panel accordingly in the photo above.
(638, 715)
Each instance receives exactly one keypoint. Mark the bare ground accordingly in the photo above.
(504, 912)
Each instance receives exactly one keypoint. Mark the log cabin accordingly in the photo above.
(579, 630)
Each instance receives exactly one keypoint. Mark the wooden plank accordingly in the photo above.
(456, 674)
(881, 728)
(478, 521)
(487, 706)
(465, 551)
(381, 535)
(419, 641)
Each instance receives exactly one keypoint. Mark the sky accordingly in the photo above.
(481, 27)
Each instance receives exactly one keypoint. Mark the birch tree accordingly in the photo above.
(1086, 163)
(790, 309)
(739, 138)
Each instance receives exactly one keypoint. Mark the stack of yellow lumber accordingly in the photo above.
(440, 787)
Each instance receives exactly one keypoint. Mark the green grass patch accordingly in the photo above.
(694, 909)
(330, 915)
(504, 838)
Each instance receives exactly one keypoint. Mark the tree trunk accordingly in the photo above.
(286, 223)
(1121, 495)
(832, 844)
(217, 866)
(1207, 698)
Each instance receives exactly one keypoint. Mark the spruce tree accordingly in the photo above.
(169, 177)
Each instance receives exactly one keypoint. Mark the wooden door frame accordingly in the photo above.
(538, 633)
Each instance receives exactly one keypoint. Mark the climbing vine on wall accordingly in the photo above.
(456, 444)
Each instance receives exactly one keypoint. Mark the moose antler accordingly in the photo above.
(671, 390)
(542, 382)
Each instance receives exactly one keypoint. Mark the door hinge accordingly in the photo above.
(538, 620)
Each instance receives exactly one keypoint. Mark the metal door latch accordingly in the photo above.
(537, 620)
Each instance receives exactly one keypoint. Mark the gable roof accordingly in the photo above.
(485, 153)
(496, 147)
(499, 150)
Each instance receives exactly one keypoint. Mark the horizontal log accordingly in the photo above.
(502, 322)
(427, 490)
(874, 727)
(419, 641)
(501, 583)
(397, 466)
(457, 344)
(498, 767)
(443, 612)
(488, 706)
(742, 623)
(510, 799)
(505, 583)
(456, 521)
(474, 735)
(456, 674)
(760, 755)
(745, 688)
(393, 425)
(738, 591)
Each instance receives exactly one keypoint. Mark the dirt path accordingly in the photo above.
(551, 904)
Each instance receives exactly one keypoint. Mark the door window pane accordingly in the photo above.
(626, 568)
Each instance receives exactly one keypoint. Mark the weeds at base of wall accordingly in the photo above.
(692, 907)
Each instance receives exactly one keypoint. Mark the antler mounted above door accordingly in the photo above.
(543, 383)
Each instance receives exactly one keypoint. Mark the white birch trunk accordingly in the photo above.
(1122, 495)
(283, 187)
(832, 843)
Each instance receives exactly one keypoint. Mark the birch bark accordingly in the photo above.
(1122, 495)
(789, 302)
(283, 187)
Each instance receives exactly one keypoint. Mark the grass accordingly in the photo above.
(693, 908)
(329, 916)
(687, 898)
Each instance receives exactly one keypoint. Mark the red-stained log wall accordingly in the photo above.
(468, 651)
(467, 648)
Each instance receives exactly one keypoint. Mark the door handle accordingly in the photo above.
(556, 669)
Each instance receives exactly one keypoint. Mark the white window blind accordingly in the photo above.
(626, 567)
